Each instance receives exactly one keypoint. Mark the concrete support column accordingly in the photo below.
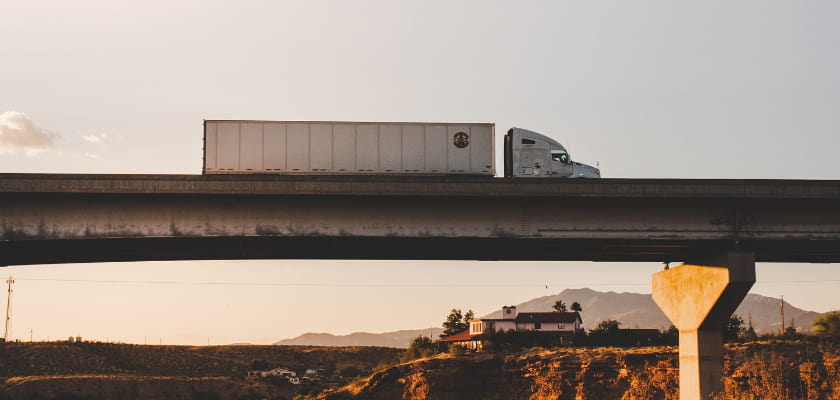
(699, 297)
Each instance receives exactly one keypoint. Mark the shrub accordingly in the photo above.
(828, 326)
(420, 347)
(457, 350)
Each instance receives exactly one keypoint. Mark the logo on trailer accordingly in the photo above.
(461, 140)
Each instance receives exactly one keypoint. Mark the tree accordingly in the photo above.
(828, 326)
(670, 337)
(749, 335)
(576, 307)
(559, 306)
(453, 324)
(420, 347)
(456, 322)
(790, 333)
(469, 316)
(609, 333)
(734, 328)
(608, 326)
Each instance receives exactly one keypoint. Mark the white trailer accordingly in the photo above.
(381, 148)
(390, 148)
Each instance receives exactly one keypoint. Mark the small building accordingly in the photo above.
(282, 372)
(312, 375)
(563, 324)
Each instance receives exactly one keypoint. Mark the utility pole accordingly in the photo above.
(10, 281)
(782, 305)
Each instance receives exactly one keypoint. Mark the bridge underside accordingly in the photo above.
(25, 252)
(47, 219)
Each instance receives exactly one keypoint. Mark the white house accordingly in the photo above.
(563, 324)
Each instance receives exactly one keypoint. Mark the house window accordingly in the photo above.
(561, 325)
(476, 327)
(537, 325)
(520, 326)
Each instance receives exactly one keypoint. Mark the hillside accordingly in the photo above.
(49, 370)
(764, 370)
(638, 310)
(398, 339)
(64, 358)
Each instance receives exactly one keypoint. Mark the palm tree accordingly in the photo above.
(576, 307)
(559, 306)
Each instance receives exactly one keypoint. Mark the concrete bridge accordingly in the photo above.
(717, 228)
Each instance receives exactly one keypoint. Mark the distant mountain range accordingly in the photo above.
(633, 310)
(388, 339)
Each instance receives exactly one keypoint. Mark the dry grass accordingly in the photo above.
(782, 371)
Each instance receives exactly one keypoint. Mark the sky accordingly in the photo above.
(653, 89)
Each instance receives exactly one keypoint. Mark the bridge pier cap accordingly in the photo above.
(699, 297)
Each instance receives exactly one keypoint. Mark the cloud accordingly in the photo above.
(19, 133)
(95, 138)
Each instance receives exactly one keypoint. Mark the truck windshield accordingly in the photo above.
(559, 156)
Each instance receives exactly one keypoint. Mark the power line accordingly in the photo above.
(372, 284)
(323, 284)
(803, 281)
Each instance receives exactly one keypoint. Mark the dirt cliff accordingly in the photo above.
(753, 371)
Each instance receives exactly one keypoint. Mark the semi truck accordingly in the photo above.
(382, 148)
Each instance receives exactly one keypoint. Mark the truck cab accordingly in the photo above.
(530, 154)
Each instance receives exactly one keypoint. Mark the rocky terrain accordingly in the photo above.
(776, 370)
(101, 371)
(102, 387)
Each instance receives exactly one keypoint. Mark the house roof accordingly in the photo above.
(465, 335)
(569, 317)
(537, 317)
